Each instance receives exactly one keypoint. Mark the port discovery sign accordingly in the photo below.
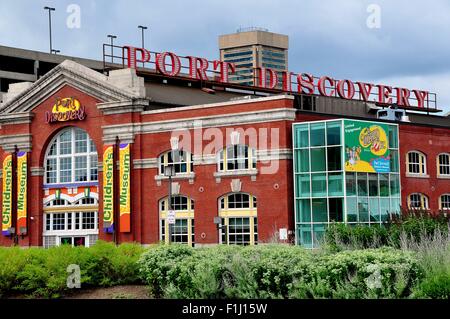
(170, 64)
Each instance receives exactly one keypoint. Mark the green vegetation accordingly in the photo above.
(409, 258)
(43, 272)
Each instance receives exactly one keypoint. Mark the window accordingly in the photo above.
(416, 163)
(71, 221)
(183, 162)
(71, 157)
(444, 165)
(418, 201)
(444, 202)
(183, 229)
(239, 219)
(236, 157)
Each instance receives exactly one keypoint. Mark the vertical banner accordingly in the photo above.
(7, 195)
(108, 188)
(125, 164)
(22, 169)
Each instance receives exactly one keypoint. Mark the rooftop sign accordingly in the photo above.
(197, 68)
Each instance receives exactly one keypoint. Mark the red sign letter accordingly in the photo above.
(287, 83)
(421, 96)
(225, 68)
(196, 71)
(273, 78)
(307, 84)
(384, 93)
(364, 90)
(402, 96)
(350, 93)
(322, 85)
(161, 63)
(132, 56)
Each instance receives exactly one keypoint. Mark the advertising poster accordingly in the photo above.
(366, 147)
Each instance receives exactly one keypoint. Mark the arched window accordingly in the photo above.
(236, 157)
(183, 229)
(70, 158)
(239, 219)
(416, 163)
(443, 164)
(183, 162)
(444, 202)
(418, 201)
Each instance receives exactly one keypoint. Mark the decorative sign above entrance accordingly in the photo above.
(66, 109)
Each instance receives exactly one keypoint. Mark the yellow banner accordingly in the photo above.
(22, 169)
(7, 195)
(125, 172)
(108, 188)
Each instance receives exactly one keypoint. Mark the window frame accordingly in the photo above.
(421, 163)
(188, 159)
(91, 167)
(445, 166)
(424, 202)
(441, 201)
(223, 160)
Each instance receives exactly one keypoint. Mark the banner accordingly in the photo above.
(125, 164)
(108, 188)
(22, 169)
(366, 147)
(7, 195)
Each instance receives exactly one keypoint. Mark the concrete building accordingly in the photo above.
(254, 48)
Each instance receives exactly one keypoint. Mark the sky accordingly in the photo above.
(398, 43)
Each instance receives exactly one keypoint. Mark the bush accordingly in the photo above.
(43, 272)
(277, 272)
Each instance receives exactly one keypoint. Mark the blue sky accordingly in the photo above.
(328, 37)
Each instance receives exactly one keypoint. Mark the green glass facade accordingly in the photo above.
(325, 192)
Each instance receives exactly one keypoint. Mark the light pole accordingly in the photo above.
(50, 25)
(143, 28)
(112, 37)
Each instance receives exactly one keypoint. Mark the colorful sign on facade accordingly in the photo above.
(108, 188)
(66, 109)
(125, 174)
(7, 195)
(22, 169)
(366, 147)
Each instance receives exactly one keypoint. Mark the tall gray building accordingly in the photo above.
(252, 48)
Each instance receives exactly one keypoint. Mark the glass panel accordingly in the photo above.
(395, 185)
(384, 184)
(304, 210)
(302, 161)
(363, 209)
(373, 185)
(333, 133)
(384, 209)
(318, 160)
(394, 161)
(303, 187)
(395, 205)
(302, 138)
(352, 209)
(335, 184)
(393, 137)
(336, 209)
(374, 210)
(362, 184)
(334, 158)
(351, 184)
(305, 236)
(319, 210)
(318, 134)
(318, 232)
(319, 185)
